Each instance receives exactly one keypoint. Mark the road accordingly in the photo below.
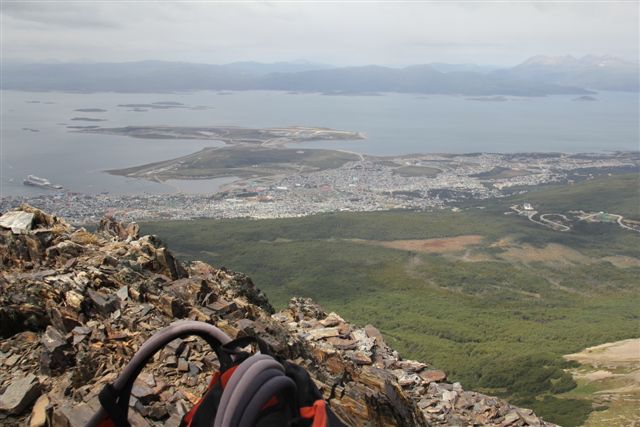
(554, 224)
(619, 219)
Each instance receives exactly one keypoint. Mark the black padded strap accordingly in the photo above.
(279, 385)
(109, 401)
(232, 346)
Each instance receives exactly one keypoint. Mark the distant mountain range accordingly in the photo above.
(593, 72)
(538, 76)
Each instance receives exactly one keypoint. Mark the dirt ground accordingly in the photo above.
(553, 253)
(616, 354)
(622, 261)
(610, 376)
(444, 245)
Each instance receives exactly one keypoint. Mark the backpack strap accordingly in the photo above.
(254, 384)
(232, 346)
(314, 410)
(117, 394)
(206, 408)
(280, 385)
(109, 401)
(236, 390)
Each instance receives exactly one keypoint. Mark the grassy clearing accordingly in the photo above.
(242, 162)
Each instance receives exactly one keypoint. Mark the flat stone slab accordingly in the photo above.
(433, 375)
(20, 394)
(320, 333)
(18, 221)
(72, 416)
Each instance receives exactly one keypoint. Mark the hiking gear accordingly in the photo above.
(249, 390)
(114, 398)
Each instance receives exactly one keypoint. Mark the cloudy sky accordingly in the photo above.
(341, 33)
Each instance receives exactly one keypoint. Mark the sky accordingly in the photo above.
(393, 33)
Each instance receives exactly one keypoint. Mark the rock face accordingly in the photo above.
(75, 306)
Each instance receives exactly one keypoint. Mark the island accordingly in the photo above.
(87, 119)
(232, 135)
(585, 98)
(91, 110)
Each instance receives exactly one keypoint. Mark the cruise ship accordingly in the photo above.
(40, 182)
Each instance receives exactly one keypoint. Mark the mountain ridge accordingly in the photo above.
(75, 305)
(599, 72)
(534, 77)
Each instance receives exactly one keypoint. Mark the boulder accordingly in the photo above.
(112, 228)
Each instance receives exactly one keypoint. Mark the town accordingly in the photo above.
(418, 182)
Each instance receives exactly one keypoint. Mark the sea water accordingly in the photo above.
(36, 139)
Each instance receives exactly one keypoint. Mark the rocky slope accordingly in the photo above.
(74, 307)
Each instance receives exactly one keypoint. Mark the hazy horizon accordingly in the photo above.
(311, 62)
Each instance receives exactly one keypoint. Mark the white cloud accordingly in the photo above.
(342, 33)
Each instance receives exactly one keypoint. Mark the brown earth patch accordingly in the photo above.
(622, 261)
(447, 244)
(598, 375)
(614, 354)
(612, 374)
(503, 243)
(552, 253)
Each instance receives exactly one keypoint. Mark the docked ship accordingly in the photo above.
(36, 181)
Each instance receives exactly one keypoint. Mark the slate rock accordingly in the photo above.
(20, 394)
(53, 340)
(39, 412)
(72, 415)
(19, 222)
(373, 332)
(433, 375)
(321, 333)
(102, 303)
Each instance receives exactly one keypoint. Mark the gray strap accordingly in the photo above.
(281, 385)
(241, 380)
(245, 391)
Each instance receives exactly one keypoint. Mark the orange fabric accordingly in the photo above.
(317, 412)
(272, 402)
(224, 378)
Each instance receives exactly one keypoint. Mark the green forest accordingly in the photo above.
(495, 315)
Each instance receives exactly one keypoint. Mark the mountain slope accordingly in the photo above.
(591, 72)
(74, 305)
(515, 301)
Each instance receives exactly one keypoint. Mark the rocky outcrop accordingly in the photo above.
(75, 306)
